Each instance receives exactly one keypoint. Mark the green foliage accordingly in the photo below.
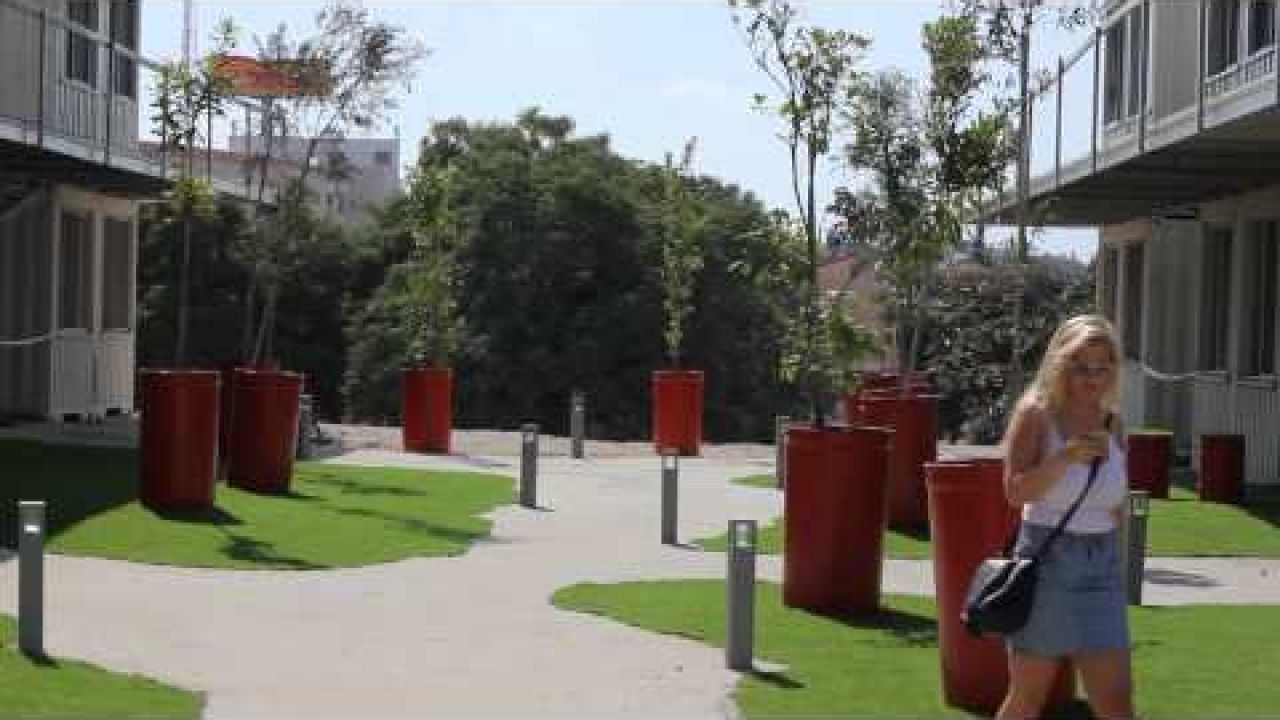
(681, 250)
(430, 302)
(972, 325)
(555, 277)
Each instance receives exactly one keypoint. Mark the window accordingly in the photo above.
(1113, 90)
(1215, 301)
(1133, 285)
(1224, 34)
(1258, 336)
(117, 274)
(75, 276)
(124, 31)
(82, 50)
(1134, 71)
(383, 158)
(1110, 282)
(1262, 25)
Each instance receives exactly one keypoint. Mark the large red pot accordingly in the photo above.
(914, 420)
(179, 439)
(1221, 468)
(677, 411)
(970, 520)
(835, 501)
(881, 384)
(1148, 462)
(426, 406)
(264, 429)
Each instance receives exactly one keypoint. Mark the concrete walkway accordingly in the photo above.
(474, 635)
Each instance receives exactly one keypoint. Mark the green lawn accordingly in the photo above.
(336, 516)
(1189, 661)
(63, 689)
(1179, 526)
(759, 481)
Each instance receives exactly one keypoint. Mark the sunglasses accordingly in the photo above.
(1090, 370)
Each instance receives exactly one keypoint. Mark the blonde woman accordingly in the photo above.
(1064, 421)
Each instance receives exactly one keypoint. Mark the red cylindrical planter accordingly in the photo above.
(677, 411)
(179, 439)
(1222, 468)
(264, 430)
(914, 420)
(969, 521)
(426, 405)
(835, 501)
(1149, 463)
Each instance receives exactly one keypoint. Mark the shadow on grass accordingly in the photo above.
(919, 534)
(213, 516)
(779, 680)
(444, 532)
(906, 628)
(76, 482)
(257, 552)
(352, 487)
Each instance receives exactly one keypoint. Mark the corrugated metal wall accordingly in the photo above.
(1222, 407)
(25, 282)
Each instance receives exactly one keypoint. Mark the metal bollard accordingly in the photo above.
(31, 524)
(529, 465)
(740, 645)
(577, 424)
(670, 496)
(1139, 507)
(781, 423)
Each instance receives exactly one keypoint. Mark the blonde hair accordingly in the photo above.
(1049, 389)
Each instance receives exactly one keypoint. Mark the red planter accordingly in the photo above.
(1149, 463)
(264, 429)
(881, 384)
(914, 420)
(835, 501)
(426, 405)
(677, 411)
(1221, 477)
(970, 520)
(179, 439)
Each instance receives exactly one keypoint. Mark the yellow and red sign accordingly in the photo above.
(251, 77)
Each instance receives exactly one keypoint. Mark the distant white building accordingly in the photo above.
(349, 176)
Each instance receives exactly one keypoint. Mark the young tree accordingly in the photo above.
(344, 78)
(811, 69)
(681, 250)
(188, 97)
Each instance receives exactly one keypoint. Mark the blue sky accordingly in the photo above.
(650, 73)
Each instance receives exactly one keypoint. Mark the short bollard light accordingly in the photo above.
(781, 423)
(670, 495)
(529, 465)
(577, 424)
(1139, 509)
(740, 645)
(31, 524)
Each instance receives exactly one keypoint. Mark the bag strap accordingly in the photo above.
(1066, 518)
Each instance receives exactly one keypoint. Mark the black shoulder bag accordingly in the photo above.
(1003, 588)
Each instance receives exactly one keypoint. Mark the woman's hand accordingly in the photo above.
(1087, 447)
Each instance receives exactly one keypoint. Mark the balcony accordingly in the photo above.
(1105, 150)
(73, 104)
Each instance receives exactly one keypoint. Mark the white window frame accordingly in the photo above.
(1208, 323)
(1256, 236)
(1129, 26)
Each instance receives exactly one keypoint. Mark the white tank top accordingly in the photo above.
(1096, 512)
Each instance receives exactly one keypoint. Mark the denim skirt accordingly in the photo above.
(1081, 603)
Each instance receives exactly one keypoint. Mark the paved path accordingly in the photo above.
(474, 635)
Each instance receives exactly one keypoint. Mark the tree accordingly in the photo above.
(929, 156)
(346, 75)
(681, 251)
(188, 97)
(811, 69)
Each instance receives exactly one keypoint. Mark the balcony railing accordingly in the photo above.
(1103, 125)
(72, 90)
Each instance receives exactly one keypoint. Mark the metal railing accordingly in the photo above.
(1082, 123)
(74, 90)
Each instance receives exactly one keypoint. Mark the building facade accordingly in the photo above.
(72, 176)
(1179, 168)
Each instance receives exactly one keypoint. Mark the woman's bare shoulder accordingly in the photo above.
(1029, 423)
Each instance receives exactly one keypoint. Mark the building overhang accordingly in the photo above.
(1167, 181)
(123, 177)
